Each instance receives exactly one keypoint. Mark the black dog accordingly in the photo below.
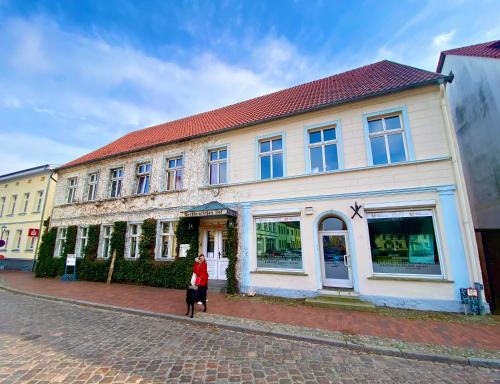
(193, 296)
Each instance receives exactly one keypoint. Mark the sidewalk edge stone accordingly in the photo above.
(360, 347)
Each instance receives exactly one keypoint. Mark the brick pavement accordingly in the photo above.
(171, 301)
(44, 341)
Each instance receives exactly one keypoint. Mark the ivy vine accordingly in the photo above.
(90, 251)
(148, 240)
(232, 255)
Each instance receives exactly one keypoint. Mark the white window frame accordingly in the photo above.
(171, 172)
(143, 174)
(5, 237)
(271, 154)
(129, 241)
(105, 237)
(218, 163)
(118, 180)
(267, 221)
(83, 238)
(25, 204)
(17, 239)
(171, 243)
(437, 234)
(3, 200)
(38, 202)
(72, 186)
(13, 202)
(323, 144)
(62, 233)
(30, 243)
(92, 185)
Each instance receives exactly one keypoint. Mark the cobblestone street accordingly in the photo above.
(43, 341)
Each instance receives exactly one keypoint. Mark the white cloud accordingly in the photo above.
(21, 151)
(443, 40)
(88, 92)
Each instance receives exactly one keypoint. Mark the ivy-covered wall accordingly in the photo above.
(145, 271)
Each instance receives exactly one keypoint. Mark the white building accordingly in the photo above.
(318, 176)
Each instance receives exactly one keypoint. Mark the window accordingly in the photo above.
(93, 181)
(2, 205)
(279, 244)
(387, 141)
(143, 174)
(26, 199)
(38, 202)
(60, 242)
(134, 234)
(82, 241)
(107, 230)
(17, 239)
(30, 243)
(174, 174)
(167, 244)
(404, 243)
(116, 180)
(217, 166)
(72, 184)
(323, 149)
(271, 158)
(5, 237)
(332, 224)
(13, 201)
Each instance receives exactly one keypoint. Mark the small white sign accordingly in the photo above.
(71, 260)
(183, 250)
(472, 292)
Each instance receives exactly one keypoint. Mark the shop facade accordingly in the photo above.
(362, 198)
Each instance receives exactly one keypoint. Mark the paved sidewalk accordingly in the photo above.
(361, 324)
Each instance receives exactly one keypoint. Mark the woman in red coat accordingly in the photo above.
(200, 268)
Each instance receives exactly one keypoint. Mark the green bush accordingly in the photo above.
(92, 270)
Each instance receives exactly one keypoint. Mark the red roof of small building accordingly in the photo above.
(371, 80)
(490, 49)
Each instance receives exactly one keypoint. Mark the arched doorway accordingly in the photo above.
(335, 255)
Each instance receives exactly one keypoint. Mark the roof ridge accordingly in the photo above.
(268, 95)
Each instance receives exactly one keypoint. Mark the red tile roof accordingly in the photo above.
(371, 80)
(490, 49)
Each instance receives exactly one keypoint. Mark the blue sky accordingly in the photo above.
(75, 74)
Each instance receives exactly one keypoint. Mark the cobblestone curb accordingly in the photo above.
(366, 348)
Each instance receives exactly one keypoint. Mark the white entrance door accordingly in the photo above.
(335, 259)
(215, 251)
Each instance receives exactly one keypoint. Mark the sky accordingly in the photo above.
(77, 74)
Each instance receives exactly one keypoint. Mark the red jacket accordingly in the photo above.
(201, 271)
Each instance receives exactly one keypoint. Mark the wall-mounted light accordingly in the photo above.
(190, 226)
(230, 223)
(309, 210)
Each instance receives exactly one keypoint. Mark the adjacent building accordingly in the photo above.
(350, 184)
(474, 99)
(26, 199)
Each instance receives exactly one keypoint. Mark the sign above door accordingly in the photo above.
(212, 209)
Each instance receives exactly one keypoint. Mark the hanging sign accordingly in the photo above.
(33, 232)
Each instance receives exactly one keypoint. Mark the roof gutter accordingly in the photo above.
(441, 80)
